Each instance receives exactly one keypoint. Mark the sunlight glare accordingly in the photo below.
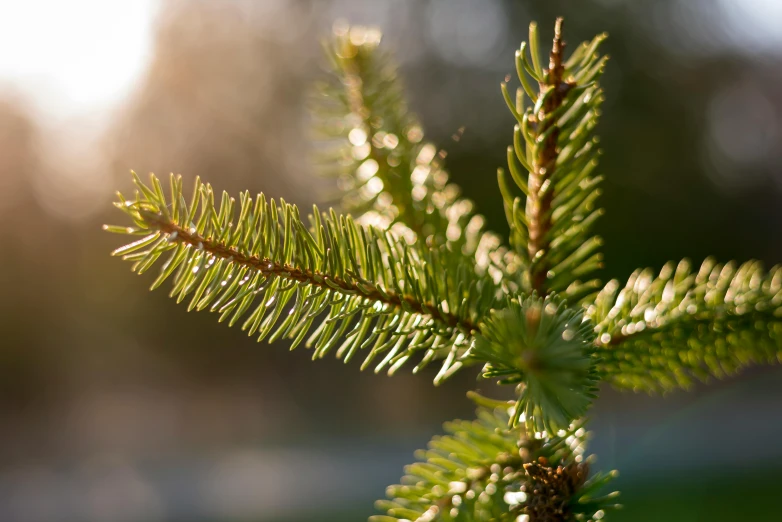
(77, 55)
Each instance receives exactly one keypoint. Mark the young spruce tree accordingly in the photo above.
(408, 274)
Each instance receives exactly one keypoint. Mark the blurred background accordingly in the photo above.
(117, 405)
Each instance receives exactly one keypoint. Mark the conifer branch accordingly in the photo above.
(544, 162)
(483, 471)
(551, 163)
(271, 268)
(375, 147)
(660, 333)
(375, 292)
(429, 282)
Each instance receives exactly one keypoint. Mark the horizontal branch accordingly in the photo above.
(661, 332)
(328, 281)
(269, 267)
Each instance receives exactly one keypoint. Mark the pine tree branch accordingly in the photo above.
(551, 163)
(430, 282)
(361, 106)
(271, 268)
(660, 333)
(389, 175)
(544, 162)
(373, 291)
(483, 471)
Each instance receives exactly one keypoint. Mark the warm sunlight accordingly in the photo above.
(74, 56)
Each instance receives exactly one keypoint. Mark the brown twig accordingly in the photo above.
(539, 202)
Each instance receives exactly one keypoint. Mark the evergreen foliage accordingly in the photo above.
(551, 162)
(547, 347)
(660, 333)
(484, 471)
(409, 273)
(366, 289)
(388, 174)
